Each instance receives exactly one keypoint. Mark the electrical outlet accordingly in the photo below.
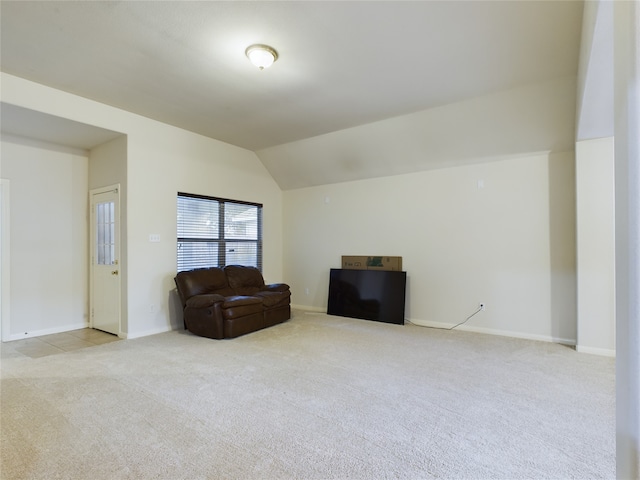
(482, 305)
(306, 291)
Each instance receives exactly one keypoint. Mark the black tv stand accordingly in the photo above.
(377, 295)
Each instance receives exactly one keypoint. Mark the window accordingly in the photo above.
(105, 233)
(214, 232)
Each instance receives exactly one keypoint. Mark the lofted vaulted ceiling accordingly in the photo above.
(342, 64)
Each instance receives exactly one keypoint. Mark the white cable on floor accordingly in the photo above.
(451, 328)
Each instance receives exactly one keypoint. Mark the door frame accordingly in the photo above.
(92, 239)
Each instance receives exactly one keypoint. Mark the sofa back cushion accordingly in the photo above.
(202, 281)
(244, 280)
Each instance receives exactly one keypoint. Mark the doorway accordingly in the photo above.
(104, 259)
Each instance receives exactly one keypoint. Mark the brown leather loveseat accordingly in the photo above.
(231, 301)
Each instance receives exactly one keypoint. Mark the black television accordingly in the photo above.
(367, 294)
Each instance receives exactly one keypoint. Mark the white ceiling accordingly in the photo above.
(342, 64)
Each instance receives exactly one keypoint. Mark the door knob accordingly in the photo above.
(115, 272)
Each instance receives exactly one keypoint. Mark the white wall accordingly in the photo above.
(5, 258)
(49, 236)
(509, 244)
(595, 246)
(594, 182)
(162, 160)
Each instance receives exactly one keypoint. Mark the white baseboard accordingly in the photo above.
(146, 333)
(48, 331)
(309, 308)
(493, 331)
(603, 352)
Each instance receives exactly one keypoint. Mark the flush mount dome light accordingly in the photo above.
(262, 56)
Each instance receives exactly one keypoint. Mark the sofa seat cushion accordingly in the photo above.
(272, 299)
(240, 301)
(239, 306)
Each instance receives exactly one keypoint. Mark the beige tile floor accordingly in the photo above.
(37, 347)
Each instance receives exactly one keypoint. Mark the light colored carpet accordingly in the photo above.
(318, 397)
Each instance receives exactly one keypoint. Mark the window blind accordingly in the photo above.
(214, 232)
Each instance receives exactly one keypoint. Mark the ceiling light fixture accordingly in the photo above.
(262, 56)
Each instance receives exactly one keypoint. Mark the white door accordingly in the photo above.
(105, 259)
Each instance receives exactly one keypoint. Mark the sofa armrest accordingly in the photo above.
(205, 300)
(271, 299)
(276, 287)
(205, 321)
